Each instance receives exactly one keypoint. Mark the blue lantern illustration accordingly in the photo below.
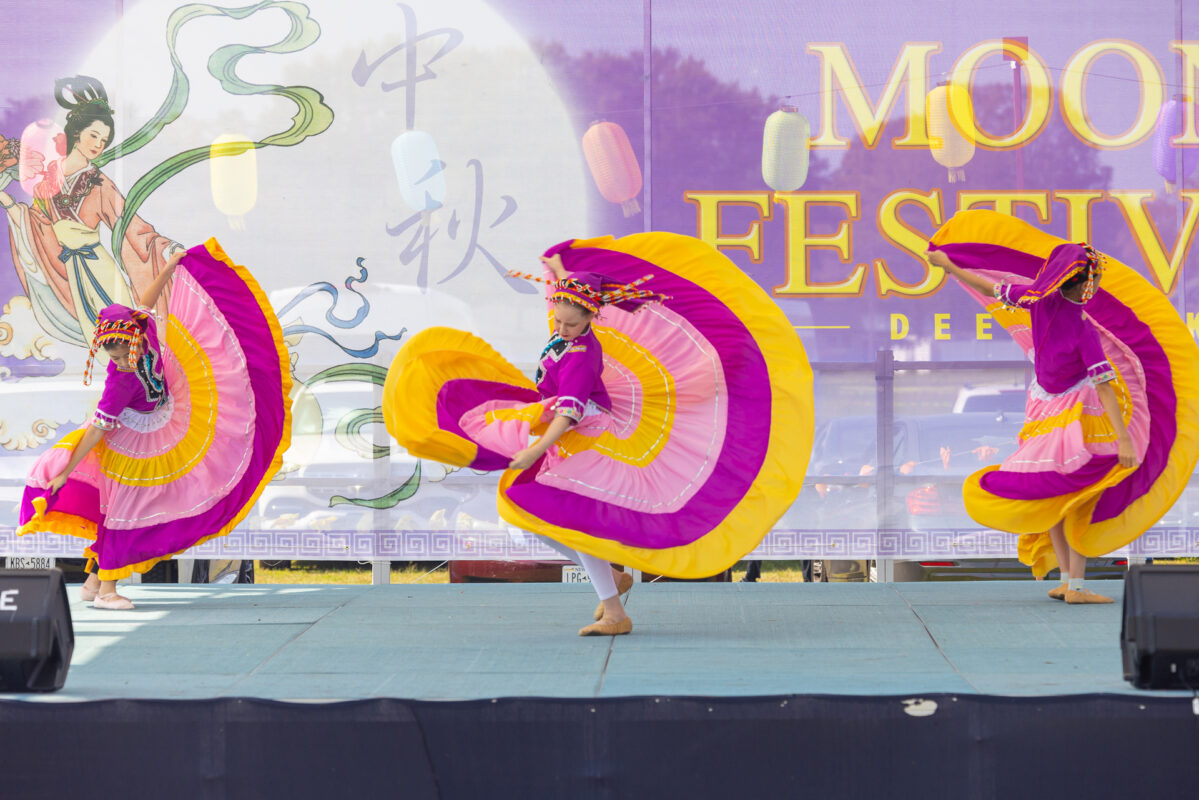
(420, 171)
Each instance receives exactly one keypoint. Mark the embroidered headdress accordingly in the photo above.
(592, 291)
(117, 323)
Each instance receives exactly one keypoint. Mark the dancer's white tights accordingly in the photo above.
(599, 570)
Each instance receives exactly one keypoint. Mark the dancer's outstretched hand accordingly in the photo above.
(525, 458)
(556, 266)
(57, 482)
(1127, 453)
(938, 259)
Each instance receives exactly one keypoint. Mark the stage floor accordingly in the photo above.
(470, 641)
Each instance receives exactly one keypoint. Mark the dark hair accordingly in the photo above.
(111, 344)
(86, 102)
(1077, 279)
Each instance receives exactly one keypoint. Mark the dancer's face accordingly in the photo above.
(117, 351)
(93, 139)
(570, 321)
(1074, 293)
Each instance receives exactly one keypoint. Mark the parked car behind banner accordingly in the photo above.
(932, 456)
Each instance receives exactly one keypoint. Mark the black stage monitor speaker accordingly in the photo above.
(36, 635)
(1160, 633)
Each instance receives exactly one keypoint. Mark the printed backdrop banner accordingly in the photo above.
(381, 165)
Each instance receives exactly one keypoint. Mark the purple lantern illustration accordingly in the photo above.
(1172, 162)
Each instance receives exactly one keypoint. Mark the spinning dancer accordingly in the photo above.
(672, 410)
(185, 435)
(1111, 427)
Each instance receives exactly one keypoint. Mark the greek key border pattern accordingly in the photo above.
(500, 544)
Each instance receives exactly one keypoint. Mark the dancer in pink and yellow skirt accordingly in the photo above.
(190, 427)
(1111, 429)
(670, 417)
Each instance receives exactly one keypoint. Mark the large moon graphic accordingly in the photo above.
(506, 139)
(514, 183)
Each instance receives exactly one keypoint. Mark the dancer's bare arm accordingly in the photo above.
(1111, 406)
(977, 282)
(155, 289)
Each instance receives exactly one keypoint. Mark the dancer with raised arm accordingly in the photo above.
(1111, 427)
(190, 427)
(671, 414)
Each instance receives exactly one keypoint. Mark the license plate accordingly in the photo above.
(573, 574)
(29, 562)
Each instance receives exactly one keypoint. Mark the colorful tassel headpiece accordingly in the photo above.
(592, 291)
(116, 323)
(1066, 261)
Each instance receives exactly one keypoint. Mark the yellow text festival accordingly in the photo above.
(1164, 261)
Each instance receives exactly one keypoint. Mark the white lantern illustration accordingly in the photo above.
(950, 119)
(419, 170)
(233, 171)
(785, 152)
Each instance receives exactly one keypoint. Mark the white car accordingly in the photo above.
(1001, 399)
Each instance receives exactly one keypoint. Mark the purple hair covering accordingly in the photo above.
(133, 326)
(1063, 263)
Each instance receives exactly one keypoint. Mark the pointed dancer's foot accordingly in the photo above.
(1085, 596)
(89, 590)
(623, 584)
(608, 628)
(113, 602)
(1060, 592)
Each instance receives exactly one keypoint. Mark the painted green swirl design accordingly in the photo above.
(389, 500)
(349, 432)
(349, 428)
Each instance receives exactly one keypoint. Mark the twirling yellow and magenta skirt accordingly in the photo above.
(194, 472)
(1066, 469)
(708, 438)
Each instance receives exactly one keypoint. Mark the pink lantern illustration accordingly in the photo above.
(233, 173)
(38, 170)
(949, 115)
(1172, 165)
(785, 149)
(613, 165)
(419, 170)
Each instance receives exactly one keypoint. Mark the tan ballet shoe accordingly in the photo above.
(1085, 596)
(1059, 593)
(87, 595)
(113, 602)
(602, 628)
(623, 584)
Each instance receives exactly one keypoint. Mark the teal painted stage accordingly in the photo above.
(470, 641)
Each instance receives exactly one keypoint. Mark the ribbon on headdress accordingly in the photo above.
(592, 291)
(117, 323)
(1066, 261)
